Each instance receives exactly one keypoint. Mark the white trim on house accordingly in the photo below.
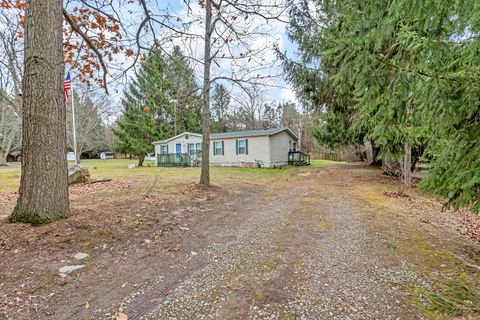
(177, 136)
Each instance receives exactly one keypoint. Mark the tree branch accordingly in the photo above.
(89, 42)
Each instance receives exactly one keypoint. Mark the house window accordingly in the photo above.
(164, 149)
(194, 148)
(242, 146)
(218, 148)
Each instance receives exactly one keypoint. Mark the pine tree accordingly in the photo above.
(184, 93)
(403, 74)
(220, 105)
(160, 102)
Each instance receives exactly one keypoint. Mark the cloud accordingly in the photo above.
(287, 94)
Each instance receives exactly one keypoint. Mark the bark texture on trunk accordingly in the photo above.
(205, 174)
(370, 155)
(407, 165)
(44, 181)
(407, 156)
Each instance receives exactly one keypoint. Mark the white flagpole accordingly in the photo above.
(74, 127)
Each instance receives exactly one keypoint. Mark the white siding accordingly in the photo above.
(279, 148)
(257, 150)
(270, 151)
(182, 140)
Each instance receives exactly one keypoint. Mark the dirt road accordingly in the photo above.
(321, 243)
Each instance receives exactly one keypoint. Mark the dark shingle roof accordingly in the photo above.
(248, 133)
(235, 134)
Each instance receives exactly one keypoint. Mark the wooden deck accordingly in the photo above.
(173, 160)
(298, 158)
(295, 158)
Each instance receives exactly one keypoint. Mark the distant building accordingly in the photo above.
(106, 155)
(71, 156)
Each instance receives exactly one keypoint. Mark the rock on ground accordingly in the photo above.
(68, 269)
(78, 174)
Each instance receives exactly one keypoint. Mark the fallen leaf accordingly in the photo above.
(173, 248)
(121, 316)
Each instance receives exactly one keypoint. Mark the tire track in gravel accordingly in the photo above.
(220, 288)
(351, 274)
(305, 254)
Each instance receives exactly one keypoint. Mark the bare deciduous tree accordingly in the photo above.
(10, 85)
(92, 112)
(235, 34)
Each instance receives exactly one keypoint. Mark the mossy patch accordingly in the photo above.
(428, 257)
(323, 225)
(36, 219)
(259, 296)
(270, 265)
(453, 297)
(134, 222)
(389, 245)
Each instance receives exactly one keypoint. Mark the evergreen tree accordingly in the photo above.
(183, 93)
(220, 105)
(159, 103)
(401, 73)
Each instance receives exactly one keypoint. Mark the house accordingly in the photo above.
(275, 147)
(181, 150)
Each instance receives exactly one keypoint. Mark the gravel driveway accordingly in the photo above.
(306, 254)
(317, 243)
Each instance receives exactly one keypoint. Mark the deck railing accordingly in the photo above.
(173, 160)
(298, 158)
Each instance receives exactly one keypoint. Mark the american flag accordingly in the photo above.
(67, 85)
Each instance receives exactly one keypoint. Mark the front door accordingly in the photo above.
(178, 151)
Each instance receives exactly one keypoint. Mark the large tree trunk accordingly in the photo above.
(370, 154)
(44, 182)
(407, 157)
(205, 175)
(407, 165)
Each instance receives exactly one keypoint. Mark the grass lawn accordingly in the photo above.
(320, 163)
(10, 177)
(118, 169)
